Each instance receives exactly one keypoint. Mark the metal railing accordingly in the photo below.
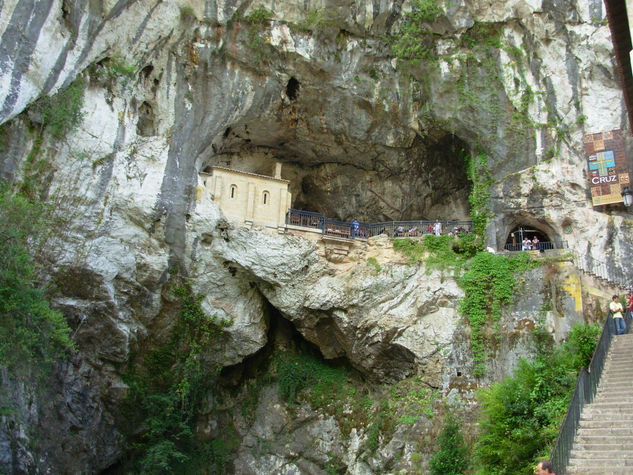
(584, 392)
(305, 219)
(603, 270)
(344, 229)
(541, 246)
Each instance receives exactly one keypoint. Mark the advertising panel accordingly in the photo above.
(608, 173)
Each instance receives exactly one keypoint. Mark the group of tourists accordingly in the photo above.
(533, 245)
(617, 310)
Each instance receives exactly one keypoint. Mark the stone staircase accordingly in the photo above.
(604, 441)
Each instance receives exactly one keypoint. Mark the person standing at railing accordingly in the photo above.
(616, 307)
(437, 227)
(527, 244)
(629, 302)
(536, 244)
(354, 228)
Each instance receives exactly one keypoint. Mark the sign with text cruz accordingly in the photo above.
(608, 173)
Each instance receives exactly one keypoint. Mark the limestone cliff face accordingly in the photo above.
(316, 86)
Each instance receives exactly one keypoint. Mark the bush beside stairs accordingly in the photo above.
(604, 440)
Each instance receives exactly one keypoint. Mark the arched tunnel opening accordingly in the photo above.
(426, 181)
(516, 239)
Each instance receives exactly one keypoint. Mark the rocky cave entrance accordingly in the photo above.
(282, 336)
(515, 237)
(346, 181)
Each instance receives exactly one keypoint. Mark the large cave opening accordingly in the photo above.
(371, 183)
(283, 339)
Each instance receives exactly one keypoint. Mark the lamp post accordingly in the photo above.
(627, 196)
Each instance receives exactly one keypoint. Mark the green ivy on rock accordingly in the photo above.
(488, 285)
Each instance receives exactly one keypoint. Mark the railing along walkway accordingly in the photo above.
(584, 392)
(606, 271)
(351, 230)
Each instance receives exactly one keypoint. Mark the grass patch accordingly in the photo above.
(438, 252)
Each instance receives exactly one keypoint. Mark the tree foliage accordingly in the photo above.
(166, 394)
(521, 416)
(31, 333)
(451, 457)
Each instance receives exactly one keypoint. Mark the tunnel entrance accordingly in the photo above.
(514, 241)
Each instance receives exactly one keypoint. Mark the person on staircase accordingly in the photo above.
(616, 308)
(544, 468)
(629, 303)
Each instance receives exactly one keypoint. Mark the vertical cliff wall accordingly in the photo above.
(372, 107)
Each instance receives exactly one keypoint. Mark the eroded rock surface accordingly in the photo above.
(317, 87)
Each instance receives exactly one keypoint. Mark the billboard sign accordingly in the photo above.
(608, 173)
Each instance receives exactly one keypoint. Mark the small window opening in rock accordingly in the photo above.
(459, 373)
(227, 132)
(265, 197)
(233, 191)
(292, 88)
(65, 12)
(515, 239)
(146, 71)
(146, 126)
(104, 61)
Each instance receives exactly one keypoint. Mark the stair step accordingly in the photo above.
(588, 423)
(600, 462)
(614, 399)
(604, 441)
(623, 458)
(619, 386)
(608, 408)
(622, 440)
(617, 372)
(596, 447)
(605, 431)
(599, 470)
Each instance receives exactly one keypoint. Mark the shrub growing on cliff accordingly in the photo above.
(477, 169)
(166, 394)
(414, 42)
(520, 417)
(438, 252)
(31, 333)
(452, 455)
(61, 113)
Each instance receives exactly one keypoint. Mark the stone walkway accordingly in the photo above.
(604, 442)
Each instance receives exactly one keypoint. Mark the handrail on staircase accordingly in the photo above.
(584, 392)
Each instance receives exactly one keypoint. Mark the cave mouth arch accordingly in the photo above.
(515, 237)
(347, 179)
